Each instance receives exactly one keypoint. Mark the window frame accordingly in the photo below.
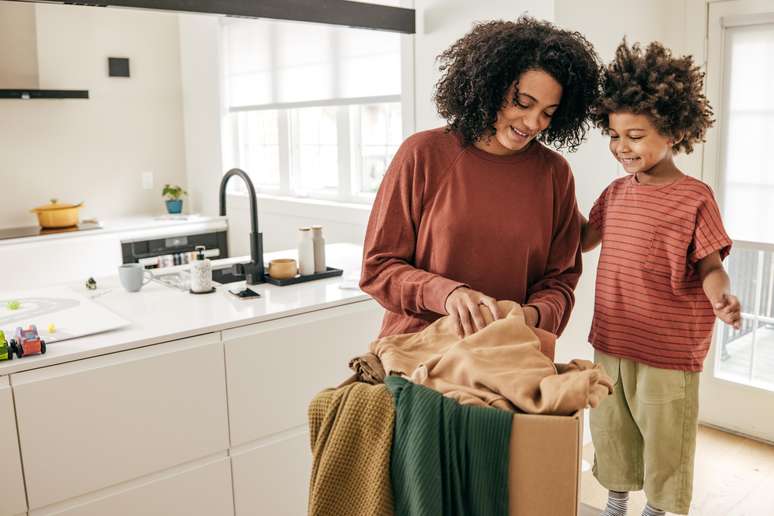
(348, 168)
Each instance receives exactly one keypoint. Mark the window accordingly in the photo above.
(312, 110)
(746, 192)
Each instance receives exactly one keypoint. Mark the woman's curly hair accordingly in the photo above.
(666, 89)
(478, 70)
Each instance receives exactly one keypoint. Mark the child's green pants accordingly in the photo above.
(644, 434)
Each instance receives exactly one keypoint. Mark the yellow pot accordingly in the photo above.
(57, 215)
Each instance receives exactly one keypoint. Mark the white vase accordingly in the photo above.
(305, 252)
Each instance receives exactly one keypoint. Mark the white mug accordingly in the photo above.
(133, 276)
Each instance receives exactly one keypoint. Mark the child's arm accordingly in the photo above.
(590, 236)
(716, 285)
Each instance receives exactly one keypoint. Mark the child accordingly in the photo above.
(660, 280)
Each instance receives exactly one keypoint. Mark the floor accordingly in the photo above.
(733, 476)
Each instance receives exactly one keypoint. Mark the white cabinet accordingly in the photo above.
(203, 490)
(12, 499)
(95, 423)
(273, 478)
(275, 368)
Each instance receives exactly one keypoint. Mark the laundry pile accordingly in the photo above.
(448, 419)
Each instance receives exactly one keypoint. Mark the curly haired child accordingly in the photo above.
(660, 281)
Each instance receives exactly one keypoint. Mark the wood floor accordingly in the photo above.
(733, 476)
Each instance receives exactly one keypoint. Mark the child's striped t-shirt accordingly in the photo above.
(649, 303)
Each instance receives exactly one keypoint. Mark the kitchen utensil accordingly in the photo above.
(57, 215)
(133, 276)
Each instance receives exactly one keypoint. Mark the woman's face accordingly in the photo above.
(527, 110)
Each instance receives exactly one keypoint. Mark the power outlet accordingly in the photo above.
(147, 180)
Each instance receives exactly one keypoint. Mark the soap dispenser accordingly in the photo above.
(201, 273)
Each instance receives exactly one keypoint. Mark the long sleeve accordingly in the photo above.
(388, 274)
(553, 295)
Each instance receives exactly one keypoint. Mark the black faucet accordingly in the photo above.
(252, 271)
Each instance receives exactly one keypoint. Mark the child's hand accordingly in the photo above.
(729, 311)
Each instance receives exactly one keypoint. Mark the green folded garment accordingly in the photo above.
(447, 459)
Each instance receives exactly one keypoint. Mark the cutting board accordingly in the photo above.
(73, 314)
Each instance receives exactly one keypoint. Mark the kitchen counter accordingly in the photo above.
(134, 227)
(57, 258)
(159, 313)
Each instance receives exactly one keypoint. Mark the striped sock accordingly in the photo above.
(616, 504)
(649, 510)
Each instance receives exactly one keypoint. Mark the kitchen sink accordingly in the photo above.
(224, 276)
(182, 279)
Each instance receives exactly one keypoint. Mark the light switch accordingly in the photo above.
(147, 180)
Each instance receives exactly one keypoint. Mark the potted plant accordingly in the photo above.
(172, 195)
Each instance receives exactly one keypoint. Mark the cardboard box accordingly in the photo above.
(545, 465)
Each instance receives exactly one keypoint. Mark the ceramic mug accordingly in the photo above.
(282, 268)
(133, 276)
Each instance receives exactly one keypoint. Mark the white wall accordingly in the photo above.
(202, 109)
(95, 150)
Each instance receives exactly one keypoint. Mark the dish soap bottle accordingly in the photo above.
(201, 273)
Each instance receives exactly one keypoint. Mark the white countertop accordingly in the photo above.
(136, 227)
(159, 313)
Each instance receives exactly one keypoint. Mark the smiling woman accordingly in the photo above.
(481, 210)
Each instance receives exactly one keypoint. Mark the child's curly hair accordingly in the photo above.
(478, 69)
(653, 83)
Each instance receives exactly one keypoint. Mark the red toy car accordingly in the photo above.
(28, 342)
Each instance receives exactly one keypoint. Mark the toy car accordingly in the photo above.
(6, 348)
(28, 342)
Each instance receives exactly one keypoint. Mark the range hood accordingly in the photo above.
(19, 56)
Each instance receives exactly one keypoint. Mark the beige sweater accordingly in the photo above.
(500, 365)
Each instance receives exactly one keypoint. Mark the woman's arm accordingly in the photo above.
(553, 295)
(388, 274)
(717, 287)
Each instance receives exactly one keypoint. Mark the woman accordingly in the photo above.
(481, 210)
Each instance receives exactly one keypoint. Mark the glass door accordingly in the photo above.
(737, 390)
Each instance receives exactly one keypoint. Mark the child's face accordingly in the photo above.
(636, 144)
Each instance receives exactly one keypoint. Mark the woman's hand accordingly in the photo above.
(464, 306)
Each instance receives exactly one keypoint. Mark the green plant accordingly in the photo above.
(173, 192)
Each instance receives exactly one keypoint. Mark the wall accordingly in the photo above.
(202, 109)
(95, 150)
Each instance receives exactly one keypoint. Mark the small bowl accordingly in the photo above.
(282, 268)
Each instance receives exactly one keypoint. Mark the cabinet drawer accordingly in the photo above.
(12, 500)
(273, 478)
(97, 422)
(200, 491)
(275, 368)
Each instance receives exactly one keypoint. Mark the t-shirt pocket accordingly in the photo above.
(667, 258)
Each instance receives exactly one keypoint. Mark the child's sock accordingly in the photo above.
(649, 510)
(616, 504)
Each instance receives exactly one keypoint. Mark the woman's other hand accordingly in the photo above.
(464, 306)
